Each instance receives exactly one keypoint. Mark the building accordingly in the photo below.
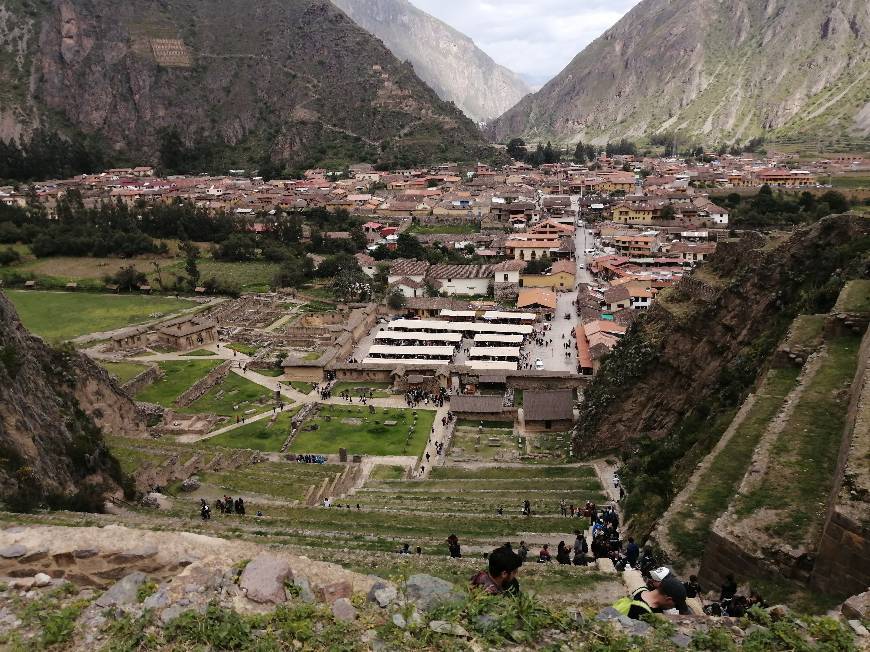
(187, 333)
(548, 411)
(537, 300)
(560, 278)
(470, 280)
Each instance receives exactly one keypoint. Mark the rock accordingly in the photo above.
(754, 628)
(22, 583)
(778, 611)
(41, 579)
(151, 500)
(383, 595)
(35, 555)
(681, 640)
(134, 555)
(605, 565)
(125, 591)
(858, 628)
(173, 612)
(191, 484)
(343, 610)
(305, 592)
(63, 559)
(85, 553)
(13, 552)
(427, 591)
(399, 621)
(485, 621)
(628, 625)
(158, 600)
(415, 618)
(443, 627)
(857, 607)
(263, 579)
(329, 593)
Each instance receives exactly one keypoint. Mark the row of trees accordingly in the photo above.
(48, 156)
(769, 208)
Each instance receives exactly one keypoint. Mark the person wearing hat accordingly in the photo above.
(670, 594)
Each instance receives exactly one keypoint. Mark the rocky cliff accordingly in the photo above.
(670, 388)
(721, 70)
(444, 58)
(54, 407)
(293, 81)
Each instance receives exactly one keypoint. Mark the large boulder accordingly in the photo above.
(263, 579)
(124, 591)
(426, 591)
(858, 606)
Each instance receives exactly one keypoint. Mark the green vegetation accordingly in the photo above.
(362, 432)
(515, 473)
(263, 435)
(851, 181)
(855, 297)
(178, 376)
(382, 472)
(304, 388)
(247, 349)
(378, 390)
(799, 473)
(233, 396)
(124, 371)
(272, 372)
(806, 332)
(452, 229)
(87, 313)
(204, 353)
(281, 480)
(691, 525)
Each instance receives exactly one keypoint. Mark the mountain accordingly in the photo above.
(54, 406)
(718, 70)
(444, 58)
(292, 81)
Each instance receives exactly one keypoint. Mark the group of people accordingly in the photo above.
(225, 505)
(311, 459)
(417, 396)
(327, 502)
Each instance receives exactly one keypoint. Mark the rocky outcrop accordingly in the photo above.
(444, 58)
(55, 406)
(299, 76)
(719, 70)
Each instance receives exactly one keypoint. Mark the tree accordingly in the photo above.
(191, 255)
(9, 257)
(667, 213)
(537, 266)
(550, 155)
(238, 247)
(580, 153)
(516, 149)
(836, 200)
(127, 279)
(396, 300)
(351, 285)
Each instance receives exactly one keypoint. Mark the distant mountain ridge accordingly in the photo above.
(443, 57)
(294, 81)
(719, 70)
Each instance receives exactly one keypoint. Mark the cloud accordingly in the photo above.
(535, 38)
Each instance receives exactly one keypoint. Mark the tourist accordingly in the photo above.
(454, 547)
(670, 595)
(693, 588)
(544, 554)
(406, 549)
(563, 555)
(632, 552)
(580, 549)
(204, 510)
(240, 506)
(523, 551)
(501, 576)
(729, 588)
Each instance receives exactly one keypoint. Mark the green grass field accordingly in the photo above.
(201, 353)
(247, 277)
(369, 435)
(232, 396)
(247, 349)
(261, 435)
(178, 377)
(65, 315)
(124, 371)
(855, 297)
(299, 386)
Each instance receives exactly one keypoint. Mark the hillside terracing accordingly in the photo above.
(798, 512)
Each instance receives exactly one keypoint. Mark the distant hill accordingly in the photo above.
(720, 70)
(444, 58)
(243, 83)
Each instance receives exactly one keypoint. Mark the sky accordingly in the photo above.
(535, 38)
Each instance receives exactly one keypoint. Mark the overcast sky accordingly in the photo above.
(535, 38)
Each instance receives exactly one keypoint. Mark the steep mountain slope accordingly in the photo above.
(290, 80)
(672, 386)
(53, 407)
(720, 69)
(444, 58)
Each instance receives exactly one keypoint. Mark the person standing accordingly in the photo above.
(454, 547)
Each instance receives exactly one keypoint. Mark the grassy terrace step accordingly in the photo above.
(284, 481)
(691, 524)
(513, 473)
(798, 477)
(178, 377)
(458, 486)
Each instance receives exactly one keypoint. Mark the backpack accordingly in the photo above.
(624, 605)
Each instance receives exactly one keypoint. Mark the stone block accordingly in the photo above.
(64, 559)
(329, 593)
(343, 610)
(263, 579)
